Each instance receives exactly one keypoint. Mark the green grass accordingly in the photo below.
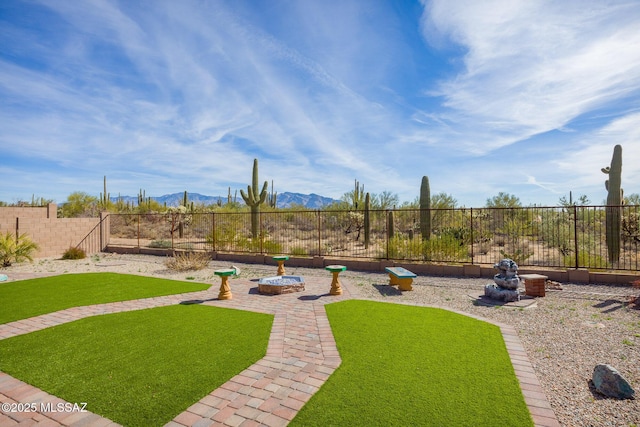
(406, 365)
(139, 368)
(28, 298)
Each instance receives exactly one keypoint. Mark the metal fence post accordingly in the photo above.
(575, 235)
(213, 231)
(472, 238)
(388, 234)
(260, 236)
(319, 234)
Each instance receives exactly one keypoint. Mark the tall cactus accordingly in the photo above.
(614, 201)
(272, 198)
(104, 197)
(358, 194)
(390, 225)
(367, 222)
(425, 209)
(254, 199)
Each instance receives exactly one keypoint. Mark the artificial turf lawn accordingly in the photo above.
(28, 298)
(406, 365)
(139, 368)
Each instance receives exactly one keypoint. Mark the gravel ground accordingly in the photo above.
(566, 334)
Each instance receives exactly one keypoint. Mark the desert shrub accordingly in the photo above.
(518, 255)
(164, 244)
(74, 253)
(461, 234)
(585, 259)
(555, 230)
(444, 248)
(298, 250)
(500, 240)
(185, 261)
(14, 249)
(483, 248)
(400, 247)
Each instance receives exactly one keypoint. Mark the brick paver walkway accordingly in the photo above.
(301, 355)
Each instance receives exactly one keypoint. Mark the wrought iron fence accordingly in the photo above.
(571, 237)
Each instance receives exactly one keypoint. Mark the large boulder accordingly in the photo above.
(610, 382)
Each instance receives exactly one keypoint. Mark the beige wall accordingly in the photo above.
(54, 235)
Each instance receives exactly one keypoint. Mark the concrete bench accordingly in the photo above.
(401, 277)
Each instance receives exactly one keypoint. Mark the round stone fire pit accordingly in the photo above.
(280, 285)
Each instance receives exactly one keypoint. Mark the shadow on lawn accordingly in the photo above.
(197, 301)
(255, 291)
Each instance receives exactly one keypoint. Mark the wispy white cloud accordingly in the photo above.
(530, 67)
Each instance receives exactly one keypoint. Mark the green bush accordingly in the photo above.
(14, 249)
(585, 259)
(74, 253)
(444, 248)
(299, 251)
(164, 244)
(518, 255)
(400, 247)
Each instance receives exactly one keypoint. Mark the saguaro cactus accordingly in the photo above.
(614, 201)
(254, 199)
(367, 223)
(272, 198)
(390, 225)
(425, 209)
(358, 195)
(104, 197)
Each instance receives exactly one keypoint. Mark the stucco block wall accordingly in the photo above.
(53, 235)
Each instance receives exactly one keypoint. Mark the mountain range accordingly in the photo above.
(283, 200)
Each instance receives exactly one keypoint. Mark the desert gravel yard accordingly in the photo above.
(566, 333)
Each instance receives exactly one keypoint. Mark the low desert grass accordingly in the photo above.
(188, 261)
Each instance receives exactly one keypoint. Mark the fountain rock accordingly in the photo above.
(506, 281)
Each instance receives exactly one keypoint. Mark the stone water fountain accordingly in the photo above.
(506, 281)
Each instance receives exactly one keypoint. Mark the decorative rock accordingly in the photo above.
(506, 282)
(496, 292)
(610, 382)
(508, 274)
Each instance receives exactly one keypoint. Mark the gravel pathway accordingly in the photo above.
(566, 334)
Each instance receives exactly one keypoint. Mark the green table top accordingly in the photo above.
(225, 272)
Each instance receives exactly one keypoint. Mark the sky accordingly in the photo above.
(517, 96)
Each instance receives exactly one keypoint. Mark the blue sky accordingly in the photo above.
(524, 97)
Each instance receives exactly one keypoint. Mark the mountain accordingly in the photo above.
(284, 200)
(312, 201)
